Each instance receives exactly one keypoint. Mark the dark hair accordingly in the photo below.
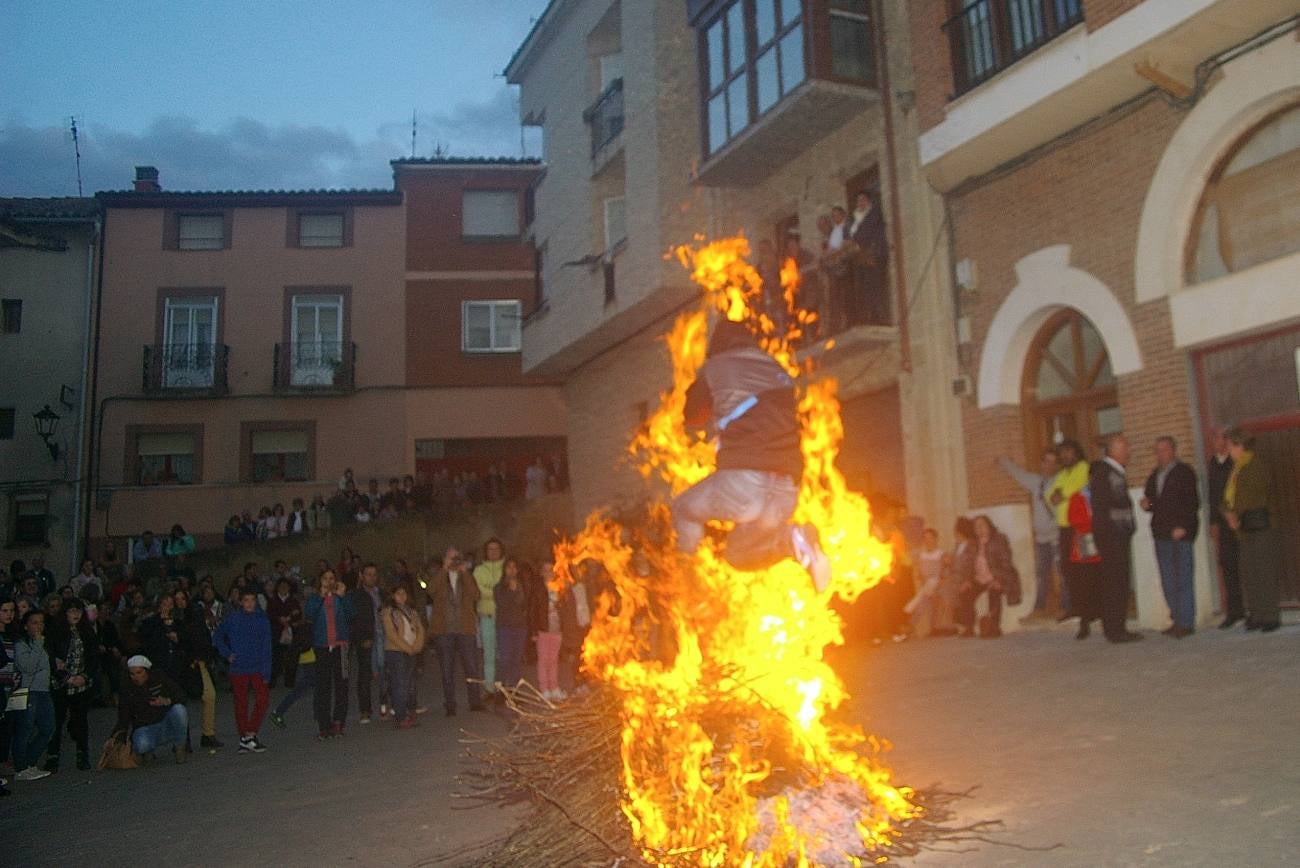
(964, 527)
(32, 613)
(500, 545)
(1165, 438)
(1240, 437)
(993, 528)
(177, 529)
(244, 592)
(1072, 444)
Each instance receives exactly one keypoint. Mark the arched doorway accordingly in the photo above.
(1069, 389)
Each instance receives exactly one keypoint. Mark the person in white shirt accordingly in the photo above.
(87, 576)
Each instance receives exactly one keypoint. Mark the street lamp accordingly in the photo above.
(47, 423)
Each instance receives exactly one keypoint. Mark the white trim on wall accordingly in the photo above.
(1047, 283)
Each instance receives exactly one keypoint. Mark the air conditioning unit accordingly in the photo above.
(962, 387)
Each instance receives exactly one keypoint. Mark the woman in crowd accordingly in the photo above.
(487, 576)
(34, 724)
(179, 543)
(403, 643)
(986, 568)
(73, 650)
(512, 624)
(160, 641)
(196, 639)
(87, 576)
(235, 531)
(330, 614)
(285, 611)
(1250, 506)
(549, 638)
(10, 630)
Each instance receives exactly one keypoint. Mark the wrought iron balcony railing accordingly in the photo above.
(987, 36)
(193, 369)
(606, 116)
(308, 366)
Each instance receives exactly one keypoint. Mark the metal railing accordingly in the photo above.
(314, 366)
(185, 368)
(987, 36)
(606, 116)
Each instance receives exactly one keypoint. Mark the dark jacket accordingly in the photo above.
(512, 606)
(1177, 505)
(454, 612)
(363, 624)
(248, 637)
(133, 708)
(1113, 522)
(167, 654)
(738, 372)
(344, 615)
(998, 554)
(1255, 488)
(58, 648)
(277, 609)
(1217, 475)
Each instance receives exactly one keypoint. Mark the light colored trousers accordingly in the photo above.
(759, 503)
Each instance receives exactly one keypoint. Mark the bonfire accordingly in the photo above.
(710, 735)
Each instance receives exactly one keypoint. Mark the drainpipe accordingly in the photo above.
(92, 444)
(80, 478)
(895, 206)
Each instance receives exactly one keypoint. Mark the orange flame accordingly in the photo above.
(724, 689)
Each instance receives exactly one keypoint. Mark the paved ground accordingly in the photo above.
(1158, 753)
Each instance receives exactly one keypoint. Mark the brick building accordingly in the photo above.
(1122, 183)
(253, 345)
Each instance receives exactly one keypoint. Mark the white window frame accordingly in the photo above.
(312, 359)
(610, 240)
(200, 242)
(492, 305)
(190, 364)
(516, 226)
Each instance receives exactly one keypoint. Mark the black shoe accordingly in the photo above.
(1270, 626)
(1252, 624)
(83, 761)
(210, 742)
(1229, 621)
(1085, 630)
(1124, 637)
(52, 763)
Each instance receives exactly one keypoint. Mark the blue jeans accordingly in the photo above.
(397, 667)
(1045, 558)
(463, 647)
(304, 683)
(1176, 566)
(32, 729)
(172, 729)
(510, 654)
(487, 633)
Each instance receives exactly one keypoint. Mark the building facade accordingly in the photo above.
(48, 251)
(1122, 184)
(717, 118)
(255, 345)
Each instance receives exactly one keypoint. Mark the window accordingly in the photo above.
(491, 326)
(31, 519)
(189, 342)
(490, 214)
(280, 455)
(320, 230)
(851, 54)
(615, 222)
(779, 64)
(12, 309)
(728, 79)
(1251, 207)
(6, 423)
(316, 332)
(1070, 389)
(201, 231)
(166, 458)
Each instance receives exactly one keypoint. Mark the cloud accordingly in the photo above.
(245, 154)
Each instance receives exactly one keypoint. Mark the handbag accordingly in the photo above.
(17, 700)
(117, 755)
(1253, 520)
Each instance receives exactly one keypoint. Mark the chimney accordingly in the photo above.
(146, 180)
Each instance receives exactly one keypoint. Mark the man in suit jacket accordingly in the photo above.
(1172, 498)
(1113, 525)
(866, 229)
(1218, 471)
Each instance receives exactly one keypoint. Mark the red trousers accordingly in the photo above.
(246, 723)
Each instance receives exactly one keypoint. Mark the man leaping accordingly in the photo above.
(749, 400)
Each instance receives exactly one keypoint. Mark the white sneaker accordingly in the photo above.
(31, 773)
(808, 552)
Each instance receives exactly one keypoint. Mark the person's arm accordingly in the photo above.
(699, 403)
(221, 639)
(1024, 478)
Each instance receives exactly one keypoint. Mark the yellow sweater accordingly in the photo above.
(487, 576)
(1068, 482)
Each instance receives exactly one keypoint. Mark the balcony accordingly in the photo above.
(605, 117)
(773, 87)
(185, 370)
(988, 36)
(314, 367)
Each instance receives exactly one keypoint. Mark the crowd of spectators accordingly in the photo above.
(153, 639)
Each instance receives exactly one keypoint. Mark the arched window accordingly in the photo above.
(1069, 388)
(1250, 210)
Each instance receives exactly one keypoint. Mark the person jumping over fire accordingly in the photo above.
(746, 399)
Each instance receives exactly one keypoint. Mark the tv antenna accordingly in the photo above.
(76, 147)
(414, 127)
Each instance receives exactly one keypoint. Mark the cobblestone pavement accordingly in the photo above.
(1164, 752)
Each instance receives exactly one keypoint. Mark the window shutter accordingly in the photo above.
(490, 214)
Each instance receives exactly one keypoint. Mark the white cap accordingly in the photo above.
(139, 661)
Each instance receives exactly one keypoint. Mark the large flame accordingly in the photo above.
(725, 693)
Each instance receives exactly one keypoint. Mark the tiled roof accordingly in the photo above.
(57, 208)
(245, 198)
(467, 161)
